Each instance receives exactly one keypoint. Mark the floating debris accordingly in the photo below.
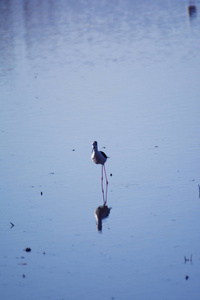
(51, 173)
(111, 174)
(12, 225)
(22, 264)
(27, 249)
(188, 259)
(192, 10)
(73, 150)
(186, 277)
(41, 193)
(23, 276)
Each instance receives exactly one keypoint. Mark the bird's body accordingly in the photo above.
(99, 157)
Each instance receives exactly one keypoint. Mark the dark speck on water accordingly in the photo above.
(28, 249)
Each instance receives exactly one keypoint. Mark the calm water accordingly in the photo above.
(124, 73)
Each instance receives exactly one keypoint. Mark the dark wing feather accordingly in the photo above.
(104, 154)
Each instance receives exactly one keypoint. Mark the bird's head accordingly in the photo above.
(94, 145)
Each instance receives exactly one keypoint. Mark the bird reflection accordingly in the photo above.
(102, 212)
(192, 10)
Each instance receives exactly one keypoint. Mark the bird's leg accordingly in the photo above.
(105, 174)
(106, 194)
(102, 177)
(103, 196)
(106, 184)
(102, 182)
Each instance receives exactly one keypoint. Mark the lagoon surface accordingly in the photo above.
(126, 74)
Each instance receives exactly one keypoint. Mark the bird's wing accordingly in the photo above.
(103, 154)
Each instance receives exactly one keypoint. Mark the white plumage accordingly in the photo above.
(98, 157)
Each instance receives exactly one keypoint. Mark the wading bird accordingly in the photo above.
(99, 157)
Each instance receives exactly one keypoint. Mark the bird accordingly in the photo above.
(99, 157)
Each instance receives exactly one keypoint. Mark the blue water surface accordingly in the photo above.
(125, 73)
